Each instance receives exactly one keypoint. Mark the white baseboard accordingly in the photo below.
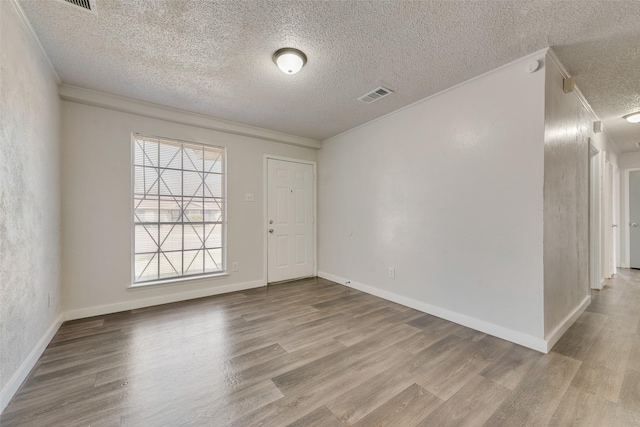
(598, 288)
(21, 374)
(100, 310)
(520, 338)
(566, 323)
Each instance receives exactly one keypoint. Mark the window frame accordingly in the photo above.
(223, 223)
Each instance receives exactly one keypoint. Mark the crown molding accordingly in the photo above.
(535, 55)
(161, 112)
(578, 93)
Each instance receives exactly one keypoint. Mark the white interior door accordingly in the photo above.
(634, 219)
(291, 222)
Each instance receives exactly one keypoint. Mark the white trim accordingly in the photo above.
(30, 361)
(533, 55)
(161, 112)
(34, 38)
(176, 281)
(595, 215)
(627, 215)
(158, 300)
(566, 323)
(576, 90)
(578, 93)
(607, 220)
(520, 338)
(265, 213)
(616, 218)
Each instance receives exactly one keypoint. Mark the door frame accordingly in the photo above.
(607, 219)
(595, 217)
(265, 213)
(625, 224)
(615, 197)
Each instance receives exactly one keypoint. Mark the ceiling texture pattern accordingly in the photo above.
(214, 57)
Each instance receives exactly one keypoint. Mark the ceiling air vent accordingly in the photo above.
(86, 5)
(375, 94)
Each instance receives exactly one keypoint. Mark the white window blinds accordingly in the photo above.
(178, 209)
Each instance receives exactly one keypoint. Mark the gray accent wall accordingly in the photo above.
(566, 201)
(29, 195)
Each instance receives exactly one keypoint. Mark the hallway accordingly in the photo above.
(606, 339)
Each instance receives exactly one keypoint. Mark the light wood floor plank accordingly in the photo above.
(535, 400)
(354, 404)
(509, 369)
(579, 338)
(470, 406)
(581, 409)
(321, 417)
(406, 409)
(454, 372)
(630, 393)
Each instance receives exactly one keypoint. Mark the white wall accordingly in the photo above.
(96, 208)
(629, 160)
(29, 201)
(568, 127)
(449, 192)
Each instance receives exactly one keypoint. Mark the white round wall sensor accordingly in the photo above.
(532, 66)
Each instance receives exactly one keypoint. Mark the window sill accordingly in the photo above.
(175, 281)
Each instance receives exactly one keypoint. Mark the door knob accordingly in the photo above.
(634, 224)
(270, 221)
(271, 230)
(614, 225)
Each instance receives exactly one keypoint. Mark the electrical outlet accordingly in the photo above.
(235, 266)
(392, 273)
(248, 197)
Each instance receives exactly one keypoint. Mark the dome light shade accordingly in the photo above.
(289, 60)
(633, 117)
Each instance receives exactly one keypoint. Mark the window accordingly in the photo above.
(178, 209)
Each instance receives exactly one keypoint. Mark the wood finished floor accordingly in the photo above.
(315, 353)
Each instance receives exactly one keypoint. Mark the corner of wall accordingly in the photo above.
(28, 28)
(14, 383)
(398, 192)
(566, 201)
(30, 184)
(520, 338)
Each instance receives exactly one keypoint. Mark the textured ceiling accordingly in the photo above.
(214, 57)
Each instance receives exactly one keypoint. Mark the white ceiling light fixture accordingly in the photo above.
(289, 60)
(633, 117)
